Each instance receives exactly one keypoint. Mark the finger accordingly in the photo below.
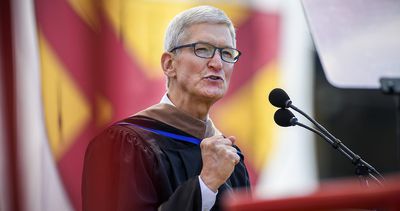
(232, 149)
(214, 138)
(231, 152)
(211, 141)
(223, 141)
(235, 158)
(232, 139)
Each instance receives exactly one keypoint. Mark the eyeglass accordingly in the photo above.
(206, 50)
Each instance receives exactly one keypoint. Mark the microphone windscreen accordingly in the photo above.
(284, 117)
(278, 98)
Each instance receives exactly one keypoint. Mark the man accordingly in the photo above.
(170, 156)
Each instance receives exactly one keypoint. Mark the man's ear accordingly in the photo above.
(168, 64)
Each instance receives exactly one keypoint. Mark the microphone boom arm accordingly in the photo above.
(283, 117)
(337, 144)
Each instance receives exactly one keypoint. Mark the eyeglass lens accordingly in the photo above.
(207, 51)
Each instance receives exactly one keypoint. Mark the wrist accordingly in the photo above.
(210, 182)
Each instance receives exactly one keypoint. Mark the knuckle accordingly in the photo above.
(229, 154)
(228, 141)
(206, 143)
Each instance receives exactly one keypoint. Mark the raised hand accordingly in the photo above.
(219, 160)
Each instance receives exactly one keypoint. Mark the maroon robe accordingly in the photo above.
(130, 168)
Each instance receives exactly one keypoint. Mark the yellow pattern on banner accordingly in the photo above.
(249, 116)
(104, 110)
(60, 95)
(141, 25)
(86, 9)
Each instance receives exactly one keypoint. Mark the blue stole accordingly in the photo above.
(170, 135)
(166, 134)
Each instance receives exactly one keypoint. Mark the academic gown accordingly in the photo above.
(131, 167)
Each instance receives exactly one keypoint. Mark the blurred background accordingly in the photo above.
(70, 68)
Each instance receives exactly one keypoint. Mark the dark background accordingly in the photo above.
(364, 120)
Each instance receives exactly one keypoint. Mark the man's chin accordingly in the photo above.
(213, 96)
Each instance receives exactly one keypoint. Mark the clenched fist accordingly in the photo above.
(219, 160)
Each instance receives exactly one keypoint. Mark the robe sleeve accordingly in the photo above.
(121, 172)
(186, 197)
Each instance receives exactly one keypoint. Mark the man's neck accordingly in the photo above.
(192, 106)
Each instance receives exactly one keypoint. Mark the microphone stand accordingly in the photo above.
(363, 169)
(391, 86)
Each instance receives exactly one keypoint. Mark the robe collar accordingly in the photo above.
(167, 113)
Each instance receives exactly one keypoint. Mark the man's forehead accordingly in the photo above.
(216, 34)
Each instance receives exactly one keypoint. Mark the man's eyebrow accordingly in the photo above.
(223, 46)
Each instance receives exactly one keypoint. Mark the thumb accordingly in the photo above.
(232, 139)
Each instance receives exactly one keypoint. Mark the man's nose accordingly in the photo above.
(216, 61)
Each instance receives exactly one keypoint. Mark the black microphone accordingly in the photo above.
(279, 98)
(283, 117)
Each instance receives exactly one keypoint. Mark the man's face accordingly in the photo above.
(203, 78)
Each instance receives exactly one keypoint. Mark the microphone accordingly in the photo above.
(279, 98)
(283, 117)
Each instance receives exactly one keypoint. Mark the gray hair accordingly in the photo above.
(196, 15)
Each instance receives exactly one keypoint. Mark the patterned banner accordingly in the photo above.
(100, 62)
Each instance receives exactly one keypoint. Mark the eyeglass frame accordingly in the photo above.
(193, 45)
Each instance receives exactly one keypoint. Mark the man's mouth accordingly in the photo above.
(214, 78)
